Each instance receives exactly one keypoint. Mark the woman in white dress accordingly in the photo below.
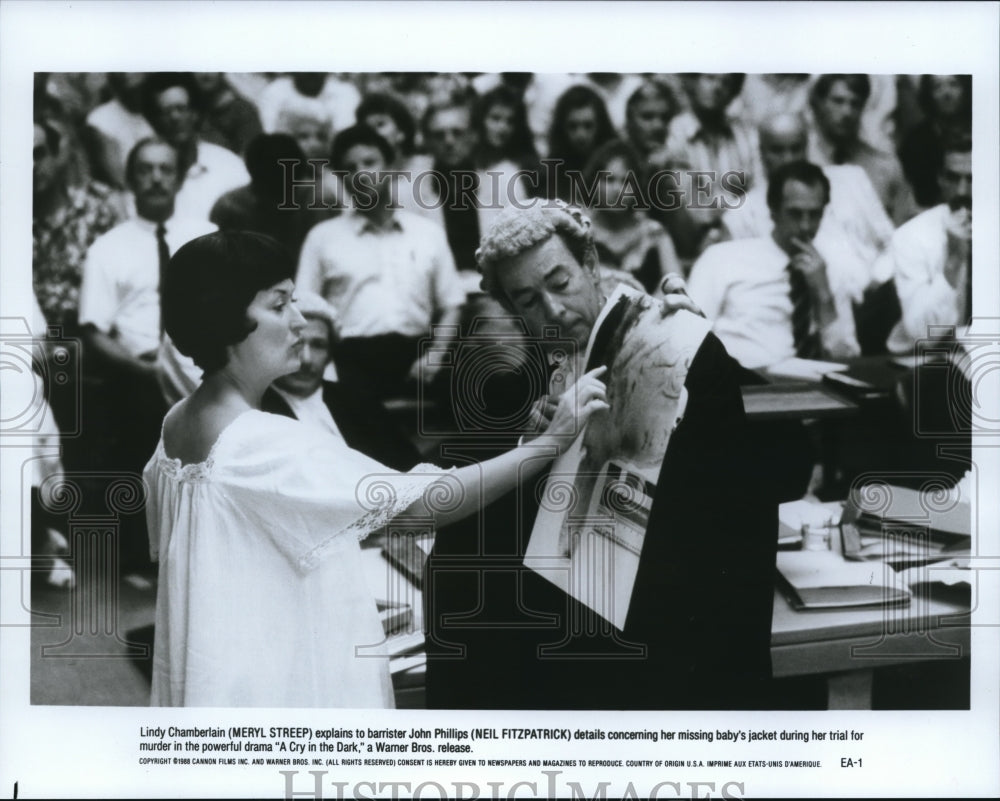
(256, 518)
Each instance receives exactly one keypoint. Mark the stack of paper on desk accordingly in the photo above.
(912, 526)
(824, 580)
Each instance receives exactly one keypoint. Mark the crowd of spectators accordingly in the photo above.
(848, 193)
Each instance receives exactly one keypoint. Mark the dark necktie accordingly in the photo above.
(461, 216)
(806, 340)
(163, 251)
(968, 291)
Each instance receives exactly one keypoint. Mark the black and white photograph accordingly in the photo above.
(392, 406)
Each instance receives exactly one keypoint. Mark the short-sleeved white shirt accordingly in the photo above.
(393, 279)
(120, 293)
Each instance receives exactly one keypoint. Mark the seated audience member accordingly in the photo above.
(775, 297)
(313, 132)
(114, 127)
(615, 88)
(505, 143)
(348, 411)
(706, 139)
(766, 95)
(171, 103)
(270, 204)
(228, 118)
(388, 273)
(392, 120)
(66, 219)
(854, 224)
(541, 92)
(946, 101)
(625, 237)
(458, 194)
(931, 255)
(541, 264)
(54, 99)
(313, 93)
(648, 113)
(73, 95)
(449, 197)
(837, 103)
(580, 125)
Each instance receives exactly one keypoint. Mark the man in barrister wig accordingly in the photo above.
(696, 633)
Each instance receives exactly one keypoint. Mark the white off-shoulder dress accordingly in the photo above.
(262, 599)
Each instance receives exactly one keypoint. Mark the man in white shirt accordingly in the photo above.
(931, 256)
(854, 222)
(456, 193)
(388, 273)
(170, 102)
(776, 297)
(313, 94)
(120, 313)
(837, 103)
(119, 296)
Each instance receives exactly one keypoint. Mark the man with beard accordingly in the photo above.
(931, 255)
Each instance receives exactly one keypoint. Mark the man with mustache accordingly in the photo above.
(120, 310)
(931, 255)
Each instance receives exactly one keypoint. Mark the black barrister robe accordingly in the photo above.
(697, 634)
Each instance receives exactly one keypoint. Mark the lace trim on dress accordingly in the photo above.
(402, 497)
(195, 471)
(186, 473)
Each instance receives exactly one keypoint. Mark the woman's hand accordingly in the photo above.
(542, 412)
(575, 407)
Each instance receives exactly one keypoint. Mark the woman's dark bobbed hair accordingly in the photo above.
(208, 286)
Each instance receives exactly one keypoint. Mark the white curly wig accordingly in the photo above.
(518, 229)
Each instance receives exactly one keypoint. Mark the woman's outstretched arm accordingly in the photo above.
(480, 484)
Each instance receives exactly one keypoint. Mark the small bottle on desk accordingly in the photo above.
(817, 537)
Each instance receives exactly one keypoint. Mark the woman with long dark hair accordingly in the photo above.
(580, 125)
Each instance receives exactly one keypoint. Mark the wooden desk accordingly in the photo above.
(797, 400)
(848, 644)
(785, 398)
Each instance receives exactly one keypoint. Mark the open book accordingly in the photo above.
(824, 580)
